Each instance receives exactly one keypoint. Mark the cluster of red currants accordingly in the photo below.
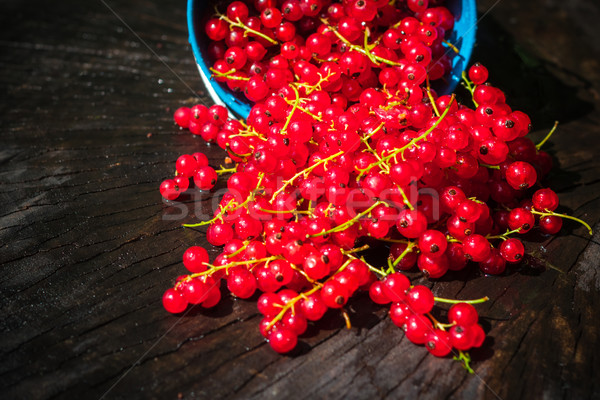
(317, 172)
(356, 44)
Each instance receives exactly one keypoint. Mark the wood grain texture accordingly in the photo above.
(87, 246)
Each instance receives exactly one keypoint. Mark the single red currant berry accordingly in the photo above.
(241, 283)
(195, 291)
(269, 304)
(295, 321)
(432, 242)
(182, 116)
(433, 266)
(237, 11)
(521, 219)
(495, 264)
(438, 343)
(521, 175)
(313, 307)
(478, 74)
(173, 301)
(399, 313)
(316, 266)
(476, 247)
(169, 189)
(417, 328)
(463, 314)
(216, 29)
(195, 259)
(411, 223)
(461, 337)
(545, 200)
(205, 178)
(420, 299)
(478, 335)
(186, 165)
(271, 17)
(377, 294)
(551, 224)
(213, 297)
(395, 286)
(283, 340)
(334, 294)
(512, 250)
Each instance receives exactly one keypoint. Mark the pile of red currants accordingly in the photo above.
(349, 148)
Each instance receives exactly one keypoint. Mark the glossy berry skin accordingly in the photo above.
(377, 294)
(476, 247)
(241, 283)
(438, 343)
(334, 294)
(169, 189)
(433, 242)
(205, 178)
(420, 299)
(494, 264)
(417, 328)
(395, 286)
(521, 219)
(463, 314)
(512, 250)
(173, 301)
(194, 259)
(521, 175)
(399, 313)
(551, 224)
(313, 307)
(433, 266)
(461, 337)
(478, 74)
(411, 223)
(545, 200)
(182, 116)
(283, 340)
(269, 304)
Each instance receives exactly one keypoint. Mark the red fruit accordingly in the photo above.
(417, 328)
(399, 313)
(545, 200)
(334, 294)
(438, 343)
(174, 301)
(411, 223)
(432, 242)
(182, 117)
(463, 314)
(283, 340)
(420, 299)
(169, 189)
(433, 266)
(241, 283)
(478, 74)
(194, 259)
(205, 178)
(461, 337)
(512, 250)
(313, 307)
(395, 286)
(377, 294)
(521, 175)
(476, 247)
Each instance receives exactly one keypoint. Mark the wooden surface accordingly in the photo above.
(87, 246)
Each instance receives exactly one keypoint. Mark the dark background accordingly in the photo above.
(87, 246)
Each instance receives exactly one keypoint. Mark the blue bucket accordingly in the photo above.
(463, 37)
